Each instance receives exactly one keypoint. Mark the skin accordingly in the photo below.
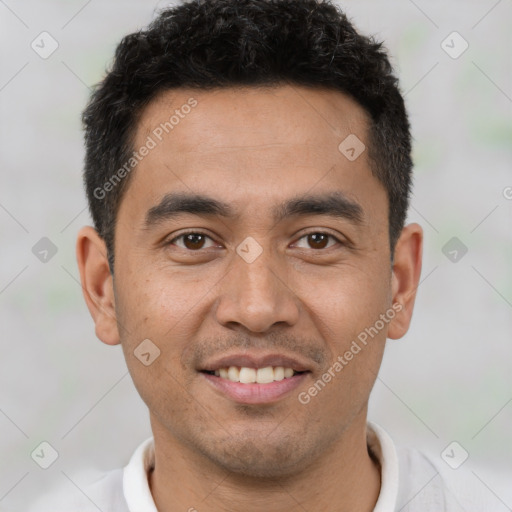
(254, 148)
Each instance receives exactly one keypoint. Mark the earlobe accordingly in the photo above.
(405, 278)
(97, 284)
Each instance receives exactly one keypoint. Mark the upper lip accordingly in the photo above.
(256, 361)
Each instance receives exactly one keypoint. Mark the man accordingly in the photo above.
(248, 171)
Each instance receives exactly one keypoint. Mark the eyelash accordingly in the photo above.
(196, 232)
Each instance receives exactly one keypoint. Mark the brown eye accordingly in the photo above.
(192, 241)
(318, 240)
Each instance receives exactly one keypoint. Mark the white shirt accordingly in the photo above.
(410, 482)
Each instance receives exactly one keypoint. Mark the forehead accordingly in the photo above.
(250, 145)
(230, 117)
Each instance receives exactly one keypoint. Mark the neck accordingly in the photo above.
(344, 478)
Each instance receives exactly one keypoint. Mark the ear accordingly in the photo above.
(405, 278)
(97, 284)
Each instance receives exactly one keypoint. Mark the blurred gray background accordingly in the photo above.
(449, 379)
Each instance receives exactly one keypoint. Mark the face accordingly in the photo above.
(249, 246)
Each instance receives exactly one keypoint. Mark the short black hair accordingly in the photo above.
(208, 44)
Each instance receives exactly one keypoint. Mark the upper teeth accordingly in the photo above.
(249, 375)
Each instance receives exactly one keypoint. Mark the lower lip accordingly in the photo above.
(255, 393)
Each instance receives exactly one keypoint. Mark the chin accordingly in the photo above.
(262, 460)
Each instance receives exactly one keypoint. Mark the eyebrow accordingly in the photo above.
(334, 204)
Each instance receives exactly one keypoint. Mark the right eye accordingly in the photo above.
(191, 240)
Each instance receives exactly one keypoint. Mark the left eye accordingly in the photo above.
(318, 240)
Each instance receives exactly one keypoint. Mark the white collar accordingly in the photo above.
(139, 499)
(383, 448)
(135, 479)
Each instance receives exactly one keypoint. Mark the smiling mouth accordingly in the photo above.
(247, 375)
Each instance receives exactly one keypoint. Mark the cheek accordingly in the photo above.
(162, 308)
(346, 302)
(347, 312)
(161, 312)
(159, 303)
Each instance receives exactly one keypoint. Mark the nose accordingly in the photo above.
(256, 296)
